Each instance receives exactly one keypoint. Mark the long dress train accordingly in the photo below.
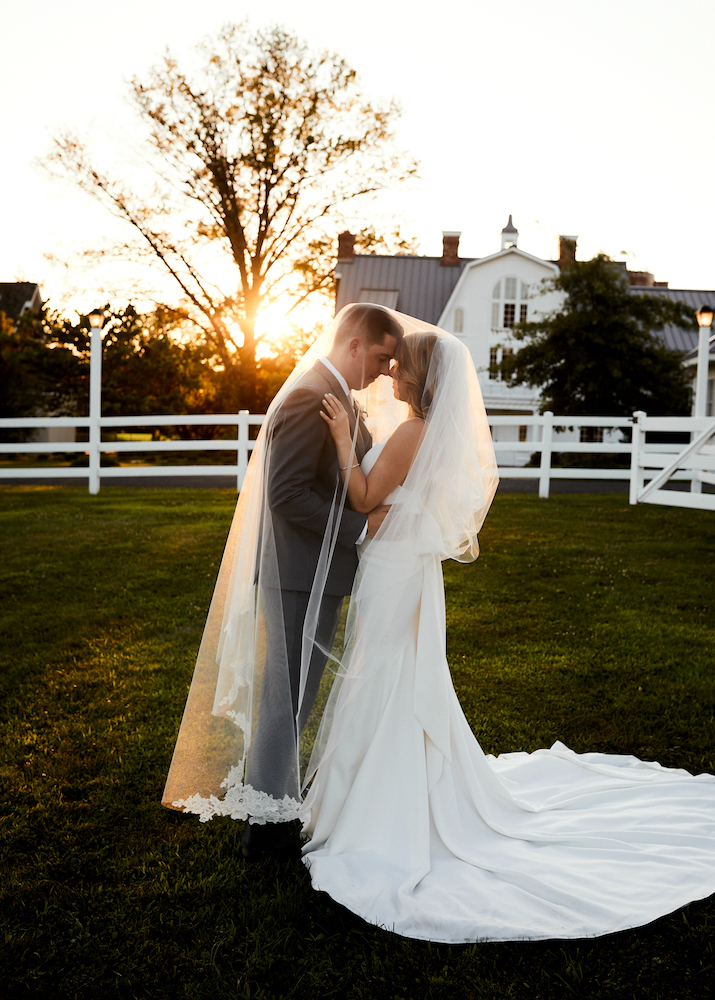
(412, 827)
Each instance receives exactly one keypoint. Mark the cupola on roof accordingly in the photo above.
(509, 235)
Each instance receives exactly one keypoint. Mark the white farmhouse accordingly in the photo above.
(490, 296)
(480, 300)
(477, 299)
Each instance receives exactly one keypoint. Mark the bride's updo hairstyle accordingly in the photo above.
(414, 358)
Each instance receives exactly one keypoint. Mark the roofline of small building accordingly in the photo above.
(400, 256)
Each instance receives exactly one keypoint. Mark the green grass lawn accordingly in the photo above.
(584, 620)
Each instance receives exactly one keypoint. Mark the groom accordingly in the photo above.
(302, 476)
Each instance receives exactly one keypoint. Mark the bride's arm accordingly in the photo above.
(391, 467)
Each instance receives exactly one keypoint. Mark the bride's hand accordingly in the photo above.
(336, 418)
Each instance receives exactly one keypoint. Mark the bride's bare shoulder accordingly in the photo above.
(406, 436)
(412, 427)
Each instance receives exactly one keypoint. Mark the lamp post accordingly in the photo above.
(704, 316)
(96, 322)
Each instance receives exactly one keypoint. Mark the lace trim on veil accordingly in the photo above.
(240, 802)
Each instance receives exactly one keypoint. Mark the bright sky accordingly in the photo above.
(587, 117)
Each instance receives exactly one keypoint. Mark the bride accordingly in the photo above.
(408, 823)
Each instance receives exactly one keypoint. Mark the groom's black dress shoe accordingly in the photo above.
(277, 841)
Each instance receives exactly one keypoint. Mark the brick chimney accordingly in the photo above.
(642, 278)
(346, 246)
(450, 249)
(567, 251)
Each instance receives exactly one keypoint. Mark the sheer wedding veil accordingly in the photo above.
(436, 514)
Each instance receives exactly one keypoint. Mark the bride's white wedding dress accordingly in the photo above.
(412, 827)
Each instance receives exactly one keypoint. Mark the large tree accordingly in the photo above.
(260, 156)
(598, 354)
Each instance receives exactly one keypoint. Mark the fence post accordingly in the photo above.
(637, 451)
(546, 437)
(95, 407)
(242, 457)
(696, 485)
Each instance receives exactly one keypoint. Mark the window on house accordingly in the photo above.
(523, 429)
(509, 302)
(459, 320)
(493, 362)
(591, 435)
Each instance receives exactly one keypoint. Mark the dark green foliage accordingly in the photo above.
(584, 620)
(149, 366)
(597, 356)
(36, 374)
(144, 369)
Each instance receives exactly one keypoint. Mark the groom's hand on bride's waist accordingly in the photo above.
(375, 519)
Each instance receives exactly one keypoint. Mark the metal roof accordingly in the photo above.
(675, 337)
(420, 286)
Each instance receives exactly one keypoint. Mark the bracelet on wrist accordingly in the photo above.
(351, 467)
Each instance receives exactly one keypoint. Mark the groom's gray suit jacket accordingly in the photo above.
(302, 475)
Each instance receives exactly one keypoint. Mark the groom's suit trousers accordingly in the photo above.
(272, 765)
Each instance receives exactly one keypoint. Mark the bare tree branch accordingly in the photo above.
(260, 155)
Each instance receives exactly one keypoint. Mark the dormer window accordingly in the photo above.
(509, 305)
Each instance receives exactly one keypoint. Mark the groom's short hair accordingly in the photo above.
(370, 323)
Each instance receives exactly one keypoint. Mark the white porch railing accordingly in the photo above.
(648, 461)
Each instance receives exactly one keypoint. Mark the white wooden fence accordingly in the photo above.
(655, 463)
(648, 462)
(95, 447)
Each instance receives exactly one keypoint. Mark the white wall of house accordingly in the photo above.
(491, 295)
